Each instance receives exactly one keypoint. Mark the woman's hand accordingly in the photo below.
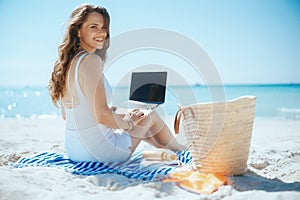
(136, 116)
(133, 118)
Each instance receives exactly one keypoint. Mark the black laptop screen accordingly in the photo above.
(148, 87)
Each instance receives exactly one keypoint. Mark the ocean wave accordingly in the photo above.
(34, 116)
(272, 102)
(290, 113)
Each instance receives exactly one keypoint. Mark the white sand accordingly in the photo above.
(274, 164)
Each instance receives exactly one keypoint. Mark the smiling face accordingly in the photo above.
(93, 32)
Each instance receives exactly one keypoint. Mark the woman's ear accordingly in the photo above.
(78, 34)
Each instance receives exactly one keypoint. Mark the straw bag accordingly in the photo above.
(218, 134)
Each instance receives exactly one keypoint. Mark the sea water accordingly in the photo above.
(275, 101)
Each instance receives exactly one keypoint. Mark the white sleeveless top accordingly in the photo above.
(85, 117)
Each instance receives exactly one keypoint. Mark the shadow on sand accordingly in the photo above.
(253, 181)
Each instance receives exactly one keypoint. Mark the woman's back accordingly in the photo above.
(78, 111)
(79, 114)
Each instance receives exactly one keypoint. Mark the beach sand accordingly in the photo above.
(274, 167)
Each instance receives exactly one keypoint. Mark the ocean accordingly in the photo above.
(273, 101)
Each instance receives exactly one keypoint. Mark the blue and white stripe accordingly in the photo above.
(130, 168)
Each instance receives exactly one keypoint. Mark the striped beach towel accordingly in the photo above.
(132, 168)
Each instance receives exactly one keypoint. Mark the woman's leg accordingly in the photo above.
(153, 130)
(165, 138)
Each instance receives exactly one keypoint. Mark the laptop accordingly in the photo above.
(147, 92)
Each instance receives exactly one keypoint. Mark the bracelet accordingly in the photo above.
(129, 121)
(130, 125)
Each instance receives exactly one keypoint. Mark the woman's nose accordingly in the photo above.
(103, 33)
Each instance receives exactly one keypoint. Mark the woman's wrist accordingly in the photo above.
(129, 122)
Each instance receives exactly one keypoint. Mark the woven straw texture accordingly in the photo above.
(219, 134)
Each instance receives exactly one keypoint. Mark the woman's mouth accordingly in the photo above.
(99, 39)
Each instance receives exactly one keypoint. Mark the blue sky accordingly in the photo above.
(249, 41)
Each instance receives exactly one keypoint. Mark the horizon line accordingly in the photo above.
(179, 85)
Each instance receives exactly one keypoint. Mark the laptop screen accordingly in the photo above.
(148, 87)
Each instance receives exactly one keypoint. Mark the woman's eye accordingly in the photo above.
(94, 27)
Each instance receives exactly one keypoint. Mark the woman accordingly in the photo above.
(79, 86)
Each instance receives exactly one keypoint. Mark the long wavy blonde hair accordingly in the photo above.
(69, 48)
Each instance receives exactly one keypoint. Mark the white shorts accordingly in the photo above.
(97, 143)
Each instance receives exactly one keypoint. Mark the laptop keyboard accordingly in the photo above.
(143, 106)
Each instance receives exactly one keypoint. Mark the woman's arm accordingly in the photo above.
(92, 84)
(63, 113)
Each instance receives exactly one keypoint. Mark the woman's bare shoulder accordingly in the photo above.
(92, 63)
(92, 58)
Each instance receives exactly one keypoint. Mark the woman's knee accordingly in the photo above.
(151, 124)
(154, 115)
(153, 118)
(149, 120)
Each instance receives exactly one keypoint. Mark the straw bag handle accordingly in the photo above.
(178, 117)
(177, 120)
